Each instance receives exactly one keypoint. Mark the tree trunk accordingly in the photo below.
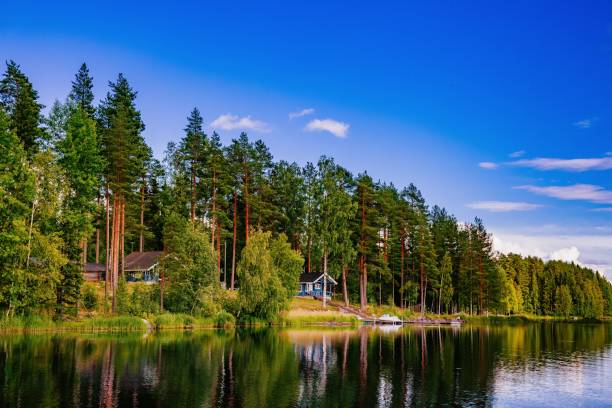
(402, 250)
(219, 250)
(422, 283)
(84, 252)
(142, 201)
(344, 287)
(161, 291)
(363, 284)
(234, 243)
(98, 231)
(214, 213)
(107, 260)
(309, 258)
(246, 210)
(115, 250)
(193, 194)
(123, 238)
(324, 278)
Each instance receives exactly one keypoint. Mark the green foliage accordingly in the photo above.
(69, 289)
(173, 321)
(563, 303)
(90, 297)
(224, 319)
(20, 101)
(386, 243)
(189, 266)
(122, 295)
(143, 299)
(82, 90)
(263, 293)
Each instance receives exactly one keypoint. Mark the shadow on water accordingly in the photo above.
(366, 367)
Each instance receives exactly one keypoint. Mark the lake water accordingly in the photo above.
(547, 364)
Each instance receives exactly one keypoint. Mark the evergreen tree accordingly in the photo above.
(19, 100)
(563, 303)
(81, 94)
(126, 154)
(367, 228)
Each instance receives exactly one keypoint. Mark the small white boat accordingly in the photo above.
(389, 319)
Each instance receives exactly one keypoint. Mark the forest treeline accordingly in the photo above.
(80, 184)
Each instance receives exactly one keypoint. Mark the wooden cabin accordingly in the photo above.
(311, 284)
(142, 266)
(94, 272)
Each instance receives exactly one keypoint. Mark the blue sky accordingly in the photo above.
(471, 101)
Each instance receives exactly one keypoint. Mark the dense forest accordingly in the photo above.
(79, 184)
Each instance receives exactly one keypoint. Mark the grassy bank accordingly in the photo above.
(91, 325)
(529, 318)
(309, 312)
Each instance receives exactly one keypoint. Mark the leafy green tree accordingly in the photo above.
(288, 263)
(83, 163)
(17, 190)
(263, 293)
(189, 266)
(20, 101)
(287, 184)
(445, 286)
(563, 301)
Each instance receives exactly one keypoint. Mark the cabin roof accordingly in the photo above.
(141, 261)
(312, 277)
(94, 267)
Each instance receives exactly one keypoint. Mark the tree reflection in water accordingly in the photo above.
(365, 367)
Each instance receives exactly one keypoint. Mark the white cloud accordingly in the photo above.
(303, 112)
(577, 165)
(517, 154)
(584, 123)
(503, 206)
(488, 165)
(592, 251)
(231, 122)
(571, 254)
(336, 128)
(584, 192)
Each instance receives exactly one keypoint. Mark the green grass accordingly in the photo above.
(318, 320)
(95, 324)
(181, 321)
(525, 318)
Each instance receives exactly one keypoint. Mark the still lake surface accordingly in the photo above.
(531, 365)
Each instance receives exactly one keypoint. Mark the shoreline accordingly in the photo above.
(177, 322)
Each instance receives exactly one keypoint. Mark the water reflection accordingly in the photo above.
(528, 365)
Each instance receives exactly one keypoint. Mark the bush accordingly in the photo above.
(173, 321)
(144, 299)
(90, 297)
(230, 302)
(207, 304)
(225, 320)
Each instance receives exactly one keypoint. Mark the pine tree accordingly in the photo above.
(192, 152)
(19, 100)
(81, 94)
(335, 211)
(126, 156)
(81, 158)
(367, 232)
